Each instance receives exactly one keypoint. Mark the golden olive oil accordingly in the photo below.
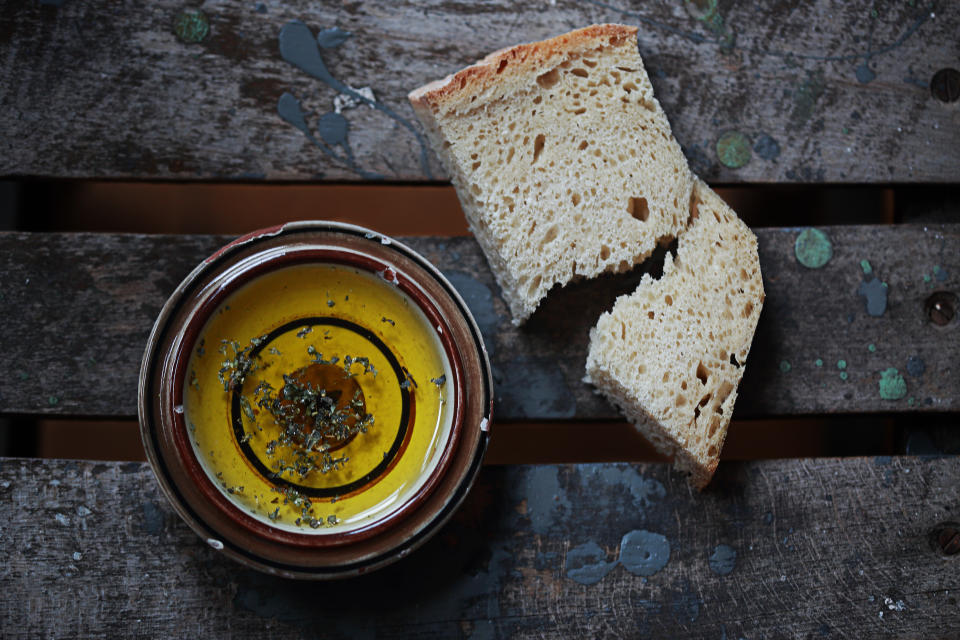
(364, 353)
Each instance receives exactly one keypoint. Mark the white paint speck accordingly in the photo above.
(62, 519)
(216, 544)
(5, 484)
(54, 483)
(77, 555)
(342, 102)
(484, 425)
(899, 605)
(439, 329)
(83, 512)
(384, 240)
(178, 409)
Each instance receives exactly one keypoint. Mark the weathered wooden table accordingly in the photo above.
(789, 92)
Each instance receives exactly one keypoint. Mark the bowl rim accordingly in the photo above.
(147, 409)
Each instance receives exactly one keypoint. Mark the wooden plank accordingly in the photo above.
(78, 308)
(800, 548)
(818, 90)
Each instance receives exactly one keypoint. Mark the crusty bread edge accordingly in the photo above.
(515, 61)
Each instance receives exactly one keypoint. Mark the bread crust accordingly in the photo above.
(517, 61)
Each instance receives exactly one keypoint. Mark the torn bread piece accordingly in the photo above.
(562, 158)
(671, 354)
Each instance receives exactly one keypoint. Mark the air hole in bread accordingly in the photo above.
(538, 100)
(475, 166)
(722, 393)
(733, 360)
(549, 79)
(501, 66)
(629, 86)
(681, 400)
(712, 451)
(580, 111)
(538, 143)
(534, 285)
(641, 369)
(623, 331)
(510, 154)
(651, 315)
(704, 400)
(668, 299)
(702, 374)
(580, 73)
(604, 252)
(475, 189)
(683, 385)
(583, 145)
(590, 63)
(549, 237)
(747, 309)
(638, 208)
(575, 198)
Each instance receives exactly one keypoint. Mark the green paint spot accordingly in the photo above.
(874, 13)
(785, 366)
(892, 385)
(733, 149)
(872, 348)
(910, 401)
(846, 130)
(53, 400)
(926, 278)
(191, 26)
(865, 265)
(936, 270)
(813, 248)
(841, 364)
(844, 375)
(818, 362)
(884, 285)
(23, 375)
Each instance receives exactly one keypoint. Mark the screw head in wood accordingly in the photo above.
(946, 538)
(945, 85)
(941, 308)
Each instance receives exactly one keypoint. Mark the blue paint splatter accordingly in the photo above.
(479, 300)
(587, 563)
(545, 498)
(645, 491)
(152, 519)
(916, 366)
(865, 74)
(299, 47)
(723, 559)
(533, 388)
(289, 109)
(644, 553)
(874, 293)
(766, 147)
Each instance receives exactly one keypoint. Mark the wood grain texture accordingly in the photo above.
(78, 309)
(813, 548)
(820, 90)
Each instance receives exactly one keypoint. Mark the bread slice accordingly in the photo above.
(562, 158)
(671, 354)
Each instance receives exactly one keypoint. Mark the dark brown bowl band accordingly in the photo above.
(358, 556)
